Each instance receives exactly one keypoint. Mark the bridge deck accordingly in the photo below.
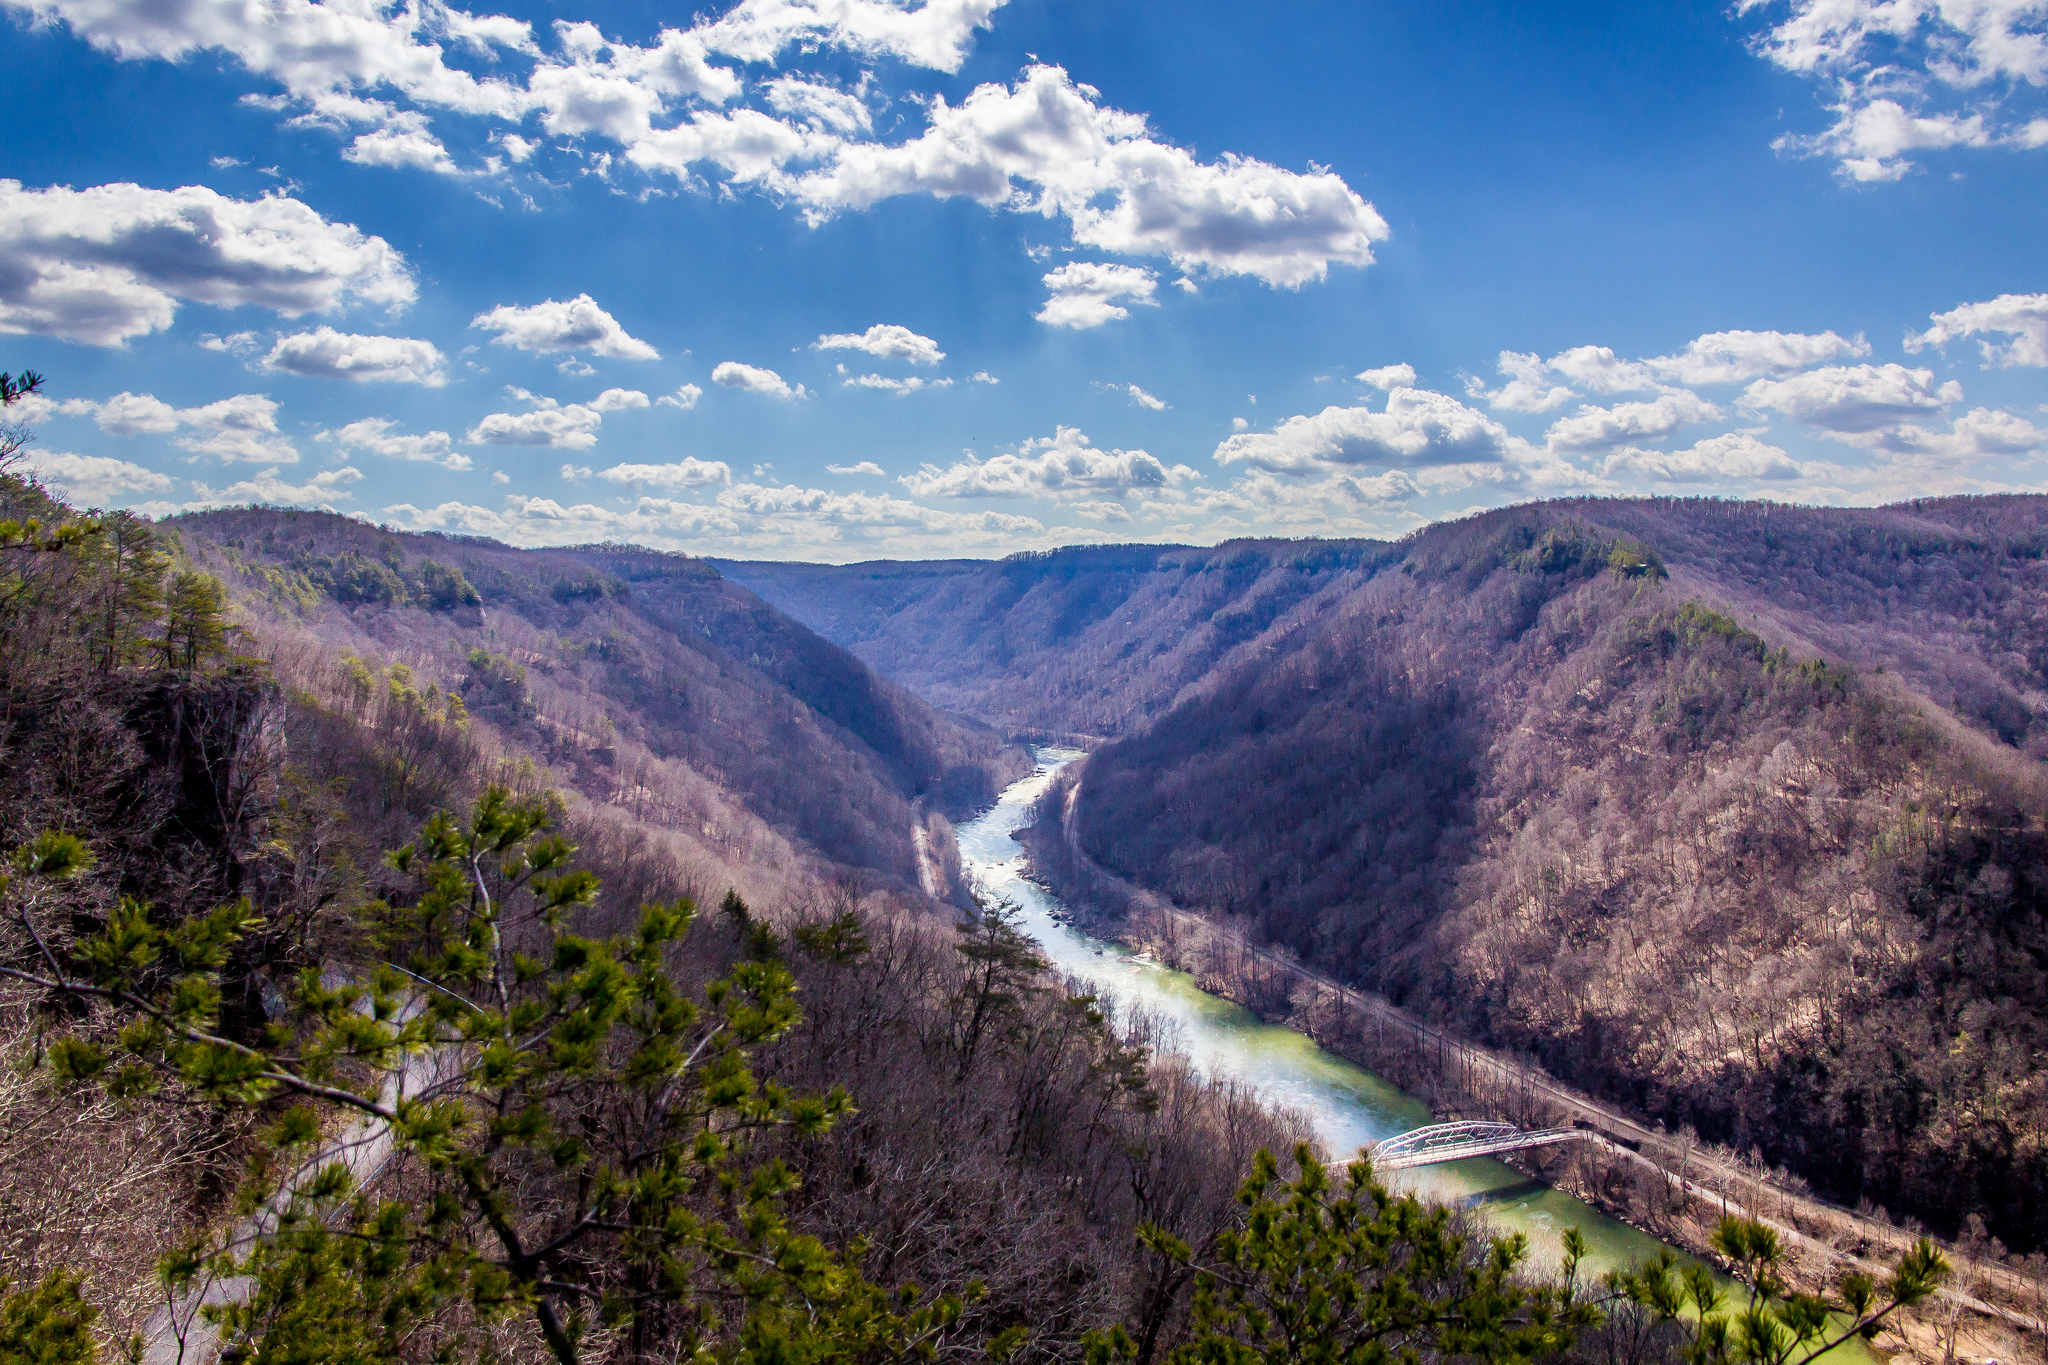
(1408, 1152)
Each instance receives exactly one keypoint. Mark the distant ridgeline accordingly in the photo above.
(1731, 812)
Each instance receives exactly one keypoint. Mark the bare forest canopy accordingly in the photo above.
(644, 679)
(1729, 812)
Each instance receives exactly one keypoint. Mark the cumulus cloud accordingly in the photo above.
(375, 436)
(685, 398)
(1090, 293)
(1047, 145)
(864, 467)
(576, 324)
(1044, 144)
(1592, 428)
(1416, 428)
(92, 480)
(618, 400)
(1527, 389)
(732, 374)
(983, 377)
(1737, 357)
(885, 341)
(547, 424)
(1854, 398)
(1906, 76)
(1738, 456)
(1599, 369)
(688, 472)
(1388, 377)
(403, 143)
(2023, 317)
(242, 428)
(1050, 466)
(324, 353)
(323, 490)
(109, 263)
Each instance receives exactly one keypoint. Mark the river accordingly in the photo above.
(1348, 1105)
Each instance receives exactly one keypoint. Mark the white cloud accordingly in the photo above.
(688, 472)
(1910, 75)
(899, 387)
(935, 34)
(1051, 466)
(1527, 390)
(1736, 357)
(92, 480)
(732, 374)
(864, 467)
(983, 377)
(1090, 293)
(1854, 398)
(1592, 428)
(1046, 145)
(105, 264)
(2023, 317)
(1738, 456)
(235, 343)
(1417, 428)
(788, 521)
(576, 324)
(575, 473)
(685, 398)
(324, 353)
(374, 435)
(1388, 377)
(826, 110)
(1599, 369)
(1142, 398)
(238, 429)
(618, 400)
(402, 144)
(885, 341)
(548, 424)
(323, 490)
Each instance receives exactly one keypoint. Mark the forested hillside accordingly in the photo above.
(176, 742)
(1090, 640)
(646, 679)
(1733, 813)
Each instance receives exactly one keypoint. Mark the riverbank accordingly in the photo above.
(1672, 1189)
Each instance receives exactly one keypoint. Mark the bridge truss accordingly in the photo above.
(1455, 1141)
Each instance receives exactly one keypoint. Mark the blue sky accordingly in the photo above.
(840, 279)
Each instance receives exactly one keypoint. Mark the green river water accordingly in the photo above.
(1349, 1106)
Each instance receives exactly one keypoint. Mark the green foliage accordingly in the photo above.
(353, 578)
(1574, 549)
(50, 1324)
(574, 1127)
(1773, 1325)
(1324, 1272)
(195, 622)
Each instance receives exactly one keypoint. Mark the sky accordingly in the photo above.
(852, 279)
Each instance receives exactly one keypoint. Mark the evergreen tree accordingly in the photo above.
(129, 561)
(195, 622)
(575, 1128)
(1343, 1272)
(1771, 1324)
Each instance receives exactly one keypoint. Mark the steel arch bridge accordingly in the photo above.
(1456, 1141)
